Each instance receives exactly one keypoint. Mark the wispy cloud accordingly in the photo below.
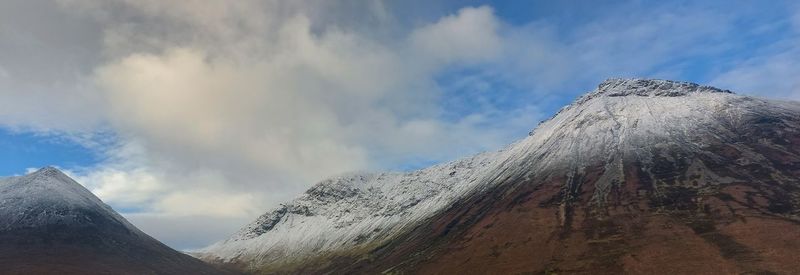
(773, 70)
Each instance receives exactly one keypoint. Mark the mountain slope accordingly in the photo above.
(638, 176)
(353, 212)
(50, 224)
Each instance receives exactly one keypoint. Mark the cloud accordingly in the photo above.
(772, 71)
(45, 54)
(772, 75)
(471, 34)
(292, 113)
(631, 40)
(241, 116)
(184, 105)
(114, 185)
(187, 232)
(796, 19)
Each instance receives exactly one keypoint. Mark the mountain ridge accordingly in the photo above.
(647, 146)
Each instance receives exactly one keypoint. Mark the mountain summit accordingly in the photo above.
(651, 87)
(50, 224)
(638, 176)
(49, 197)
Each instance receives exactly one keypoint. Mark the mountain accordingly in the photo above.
(50, 224)
(638, 176)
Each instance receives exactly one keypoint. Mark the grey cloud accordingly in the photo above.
(46, 53)
(187, 232)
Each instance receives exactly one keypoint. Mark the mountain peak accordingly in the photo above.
(651, 87)
(55, 181)
(51, 224)
(50, 172)
(48, 169)
(644, 87)
(31, 199)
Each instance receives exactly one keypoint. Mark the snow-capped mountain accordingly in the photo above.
(50, 224)
(46, 197)
(353, 211)
(635, 167)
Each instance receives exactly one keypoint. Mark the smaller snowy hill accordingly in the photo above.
(49, 197)
(50, 224)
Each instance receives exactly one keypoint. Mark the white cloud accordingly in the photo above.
(184, 105)
(243, 116)
(187, 232)
(469, 35)
(633, 40)
(37, 107)
(124, 188)
(772, 74)
(126, 181)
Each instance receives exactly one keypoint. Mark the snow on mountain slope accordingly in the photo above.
(622, 119)
(625, 118)
(48, 196)
(50, 224)
(352, 210)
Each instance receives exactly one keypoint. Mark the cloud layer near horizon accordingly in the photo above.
(216, 110)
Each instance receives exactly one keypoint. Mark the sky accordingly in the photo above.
(192, 118)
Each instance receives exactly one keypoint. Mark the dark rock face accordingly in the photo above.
(52, 225)
(740, 227)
